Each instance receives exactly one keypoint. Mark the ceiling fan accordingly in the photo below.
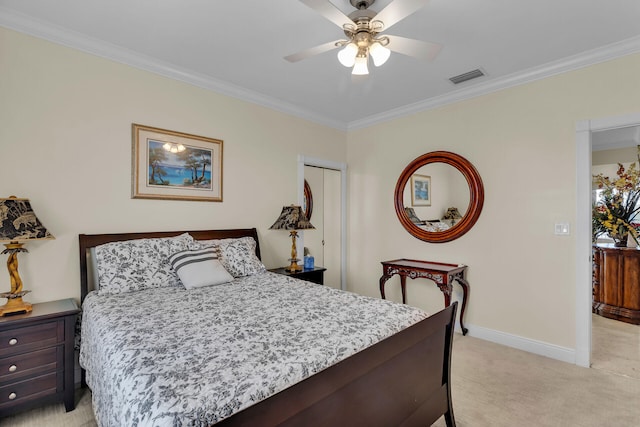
(362, 28)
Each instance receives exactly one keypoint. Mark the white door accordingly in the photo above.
(324, 242)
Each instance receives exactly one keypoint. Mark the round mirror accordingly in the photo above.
(439, 197)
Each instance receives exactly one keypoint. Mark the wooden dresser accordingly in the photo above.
(616, 283)
(37, 357)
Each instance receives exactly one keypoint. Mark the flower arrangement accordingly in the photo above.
(614, 213)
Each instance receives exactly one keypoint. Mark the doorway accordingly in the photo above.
(322, 199)
(328, 183)
(584, 138)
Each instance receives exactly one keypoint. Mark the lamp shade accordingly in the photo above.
(452, 214)
(291, 218)
(413, 216)
(379, 54)
(347, 56)
(19, 223)
(360, 68)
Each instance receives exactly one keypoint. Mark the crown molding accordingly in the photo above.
(571, 63)
(28, 25)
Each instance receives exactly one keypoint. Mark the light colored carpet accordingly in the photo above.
(55, 415)
(615, 347)
(493, 386)
(497, 386)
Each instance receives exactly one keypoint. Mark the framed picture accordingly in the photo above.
(420, 190)
(175, 166)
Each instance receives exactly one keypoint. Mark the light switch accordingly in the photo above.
(562, 229)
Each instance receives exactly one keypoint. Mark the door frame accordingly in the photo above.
(584, 129)
(342, 167)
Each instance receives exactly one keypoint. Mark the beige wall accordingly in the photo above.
(65, 143)
(614, 156)
(522, 141)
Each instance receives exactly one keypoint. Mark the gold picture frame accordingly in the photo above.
(175, 166)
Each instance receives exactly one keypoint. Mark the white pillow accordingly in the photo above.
(200, 267)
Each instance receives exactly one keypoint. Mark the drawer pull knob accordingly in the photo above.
(13, 368)
(13, 341)
(12, 396)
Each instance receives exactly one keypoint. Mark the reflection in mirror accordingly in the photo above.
(439, 197)
(447, 194)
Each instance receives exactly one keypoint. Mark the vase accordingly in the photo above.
(631, 243)
(620, 241)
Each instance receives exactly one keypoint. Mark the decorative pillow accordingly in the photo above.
(199, 267)
(238, 256)
(134, 265)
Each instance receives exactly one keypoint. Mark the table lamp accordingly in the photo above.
(452, 215)
(292, 218)
(18, 223)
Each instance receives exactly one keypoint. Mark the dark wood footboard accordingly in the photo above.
(404, 380)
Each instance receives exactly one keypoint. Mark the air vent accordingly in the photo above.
(466, 76)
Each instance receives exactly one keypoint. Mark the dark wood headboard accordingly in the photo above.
(88, 241)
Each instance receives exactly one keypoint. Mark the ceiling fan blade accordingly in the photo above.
(312, 51)
(415, 48)
(329, 11)
(397, 10)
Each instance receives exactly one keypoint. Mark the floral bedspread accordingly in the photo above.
(176, 357)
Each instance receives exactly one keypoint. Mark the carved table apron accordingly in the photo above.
(442, 274)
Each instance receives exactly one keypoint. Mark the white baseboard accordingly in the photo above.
(526, 344)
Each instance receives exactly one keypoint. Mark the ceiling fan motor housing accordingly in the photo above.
(361, 4)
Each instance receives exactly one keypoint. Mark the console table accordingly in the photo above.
(616, 284)
(442, 274)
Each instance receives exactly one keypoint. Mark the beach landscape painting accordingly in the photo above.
(174, 165)
(186, 167)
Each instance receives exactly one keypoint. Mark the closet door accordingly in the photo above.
(331, 213)
(313, 238)
(324, 242)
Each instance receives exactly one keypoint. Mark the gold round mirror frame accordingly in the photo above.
(476, 196)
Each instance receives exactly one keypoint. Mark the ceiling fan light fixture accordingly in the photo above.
(379, 54)
(360, 67)
(347, 56)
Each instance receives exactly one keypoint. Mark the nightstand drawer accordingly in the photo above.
(29, 337)
(28, 389)
(38, 362)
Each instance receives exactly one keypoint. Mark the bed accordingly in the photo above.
(315, 355)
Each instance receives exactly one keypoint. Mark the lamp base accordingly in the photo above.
(293, 267)
(14, 305)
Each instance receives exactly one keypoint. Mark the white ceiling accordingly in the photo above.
(237, 47)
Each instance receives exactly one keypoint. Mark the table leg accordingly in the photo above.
(465, 296)
(403, 285)
(447, 295)
(383, 280)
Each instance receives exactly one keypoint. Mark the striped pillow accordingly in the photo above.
(200, 267)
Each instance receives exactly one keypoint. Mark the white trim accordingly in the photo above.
(342, 167)
(584, 59)
(26, 24)
(526, 344)
(583, 227)
(583, 245)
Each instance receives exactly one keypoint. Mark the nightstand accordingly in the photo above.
(315, 275)
(37, 357)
